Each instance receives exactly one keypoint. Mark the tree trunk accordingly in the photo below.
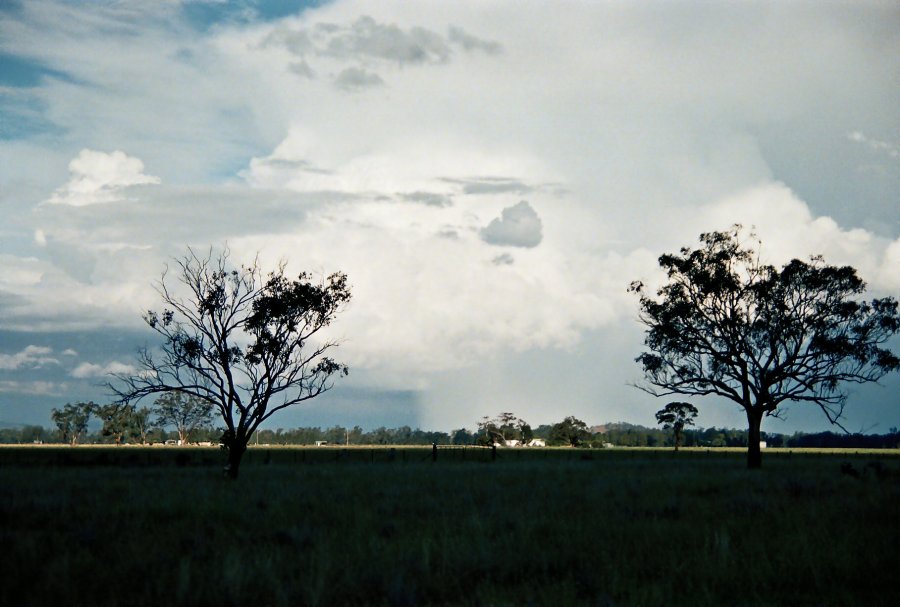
(236, 452)
(754, 454)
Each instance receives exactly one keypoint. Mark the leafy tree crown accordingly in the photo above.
(727, 324)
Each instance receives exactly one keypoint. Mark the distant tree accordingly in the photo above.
(336, 435)
(675, 416)
(72, 420)
(570, 431)
(380, 436)
(186, 413)
(462, 437)
(32, 434)
(117, 419)
(141, 423)
(725, 324)
(248, 342)
(526, 432)
(542, 431)
(506, 426)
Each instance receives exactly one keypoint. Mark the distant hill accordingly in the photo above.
(602, 428)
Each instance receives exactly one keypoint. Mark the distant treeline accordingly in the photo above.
(617, 434)
(628, 435)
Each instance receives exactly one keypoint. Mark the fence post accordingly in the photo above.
(493, 452)
(434, 452)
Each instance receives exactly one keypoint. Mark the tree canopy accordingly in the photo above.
(729, 325)
(249, 342)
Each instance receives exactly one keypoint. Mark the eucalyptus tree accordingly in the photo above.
(726, 324)
(675, 416)
(72, 420)
(185, 412)
(248, 342)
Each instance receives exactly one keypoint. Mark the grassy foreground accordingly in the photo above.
(90, 526)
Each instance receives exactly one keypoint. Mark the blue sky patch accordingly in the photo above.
(205, 15)
(17, 71)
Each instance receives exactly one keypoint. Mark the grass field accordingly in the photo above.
(134, 526)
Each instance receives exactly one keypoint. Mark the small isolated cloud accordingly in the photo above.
(88, 370)
(357, 79)
(517, 226)
(31, 357)
(432, 199)
(98, 177)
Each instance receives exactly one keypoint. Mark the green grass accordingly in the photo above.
(371, 527)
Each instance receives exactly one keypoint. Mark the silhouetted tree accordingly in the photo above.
(248, 342)
(726, 324)
(72, 420)
(675, 416)
(570, 431)
(185, 412)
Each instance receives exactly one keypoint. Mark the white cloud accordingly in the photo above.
(888, 277)
(31, 357)
(98, 177)
(33, 388)
(788, 229)
(88, 370)
(19, 272)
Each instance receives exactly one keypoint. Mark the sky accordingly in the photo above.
(491, 175)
